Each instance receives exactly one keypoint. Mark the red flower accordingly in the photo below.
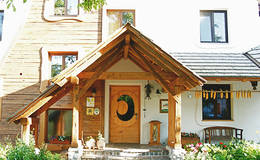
(221, 143)
(225, 146)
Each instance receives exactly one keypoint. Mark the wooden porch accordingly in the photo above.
(92, 70)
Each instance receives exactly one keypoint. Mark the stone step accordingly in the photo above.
(126, 154)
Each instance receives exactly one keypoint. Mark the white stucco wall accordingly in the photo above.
(245, 111)
(175, 25)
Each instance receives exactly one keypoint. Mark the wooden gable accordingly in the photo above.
(127, 43)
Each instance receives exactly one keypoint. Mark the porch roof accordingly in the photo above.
(128, 43)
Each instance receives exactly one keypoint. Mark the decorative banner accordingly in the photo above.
(90, 111)
(96, 111)
(90, 102)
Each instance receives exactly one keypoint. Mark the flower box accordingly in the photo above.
(189, 140)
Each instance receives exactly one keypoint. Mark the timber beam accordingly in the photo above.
(127, 75)
(127, 45)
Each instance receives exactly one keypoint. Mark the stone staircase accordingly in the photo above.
(120, 152)
(125, 154)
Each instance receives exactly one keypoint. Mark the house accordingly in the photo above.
(67, 69)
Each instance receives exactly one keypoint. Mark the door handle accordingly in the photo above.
(136, 116)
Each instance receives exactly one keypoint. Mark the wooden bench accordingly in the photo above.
(221, 133)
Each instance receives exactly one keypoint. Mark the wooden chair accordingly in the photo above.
(221, 133)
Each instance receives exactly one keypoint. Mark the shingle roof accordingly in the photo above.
(219, 64)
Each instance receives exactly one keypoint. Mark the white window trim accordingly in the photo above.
(46, 63)
(48, 13)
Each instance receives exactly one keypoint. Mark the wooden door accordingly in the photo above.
(124, 114)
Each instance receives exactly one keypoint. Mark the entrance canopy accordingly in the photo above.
(127, 43)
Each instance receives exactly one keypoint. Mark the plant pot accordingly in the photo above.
(101, 144)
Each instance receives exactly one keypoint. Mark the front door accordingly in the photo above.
(124, 114)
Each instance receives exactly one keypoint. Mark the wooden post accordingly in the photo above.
(25, 135)
(174, 121)
(171, 120)
(75, 117)
(178, 121)
(42, 128)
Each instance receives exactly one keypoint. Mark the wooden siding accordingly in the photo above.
(90, 125)
(21, 69)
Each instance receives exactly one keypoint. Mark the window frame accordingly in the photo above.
(211, 12)
(65, 11)
(118, 10)
(122, 10)
(46, 61)
(63, 54)
(1, 29)
(46, 140)
(229, 102)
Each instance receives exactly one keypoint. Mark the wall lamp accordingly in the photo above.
(254, 84)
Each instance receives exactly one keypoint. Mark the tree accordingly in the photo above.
(87, 5)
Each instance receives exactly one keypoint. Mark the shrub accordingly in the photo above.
(21, 151)
(236, 149)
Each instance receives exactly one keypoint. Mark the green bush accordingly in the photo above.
(236, 149)
(21, 151)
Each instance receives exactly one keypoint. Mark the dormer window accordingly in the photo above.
(118, 18)
(66, 7)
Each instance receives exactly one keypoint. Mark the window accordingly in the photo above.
(118, 18)
(213, 26)
(1, 23)
(259, 8)
(218, 107)
(59, 125)
(66, 7)
(61, 61)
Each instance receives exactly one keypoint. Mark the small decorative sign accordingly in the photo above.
(96, 111)
(90, 111)
(163, 105)
(90, 102)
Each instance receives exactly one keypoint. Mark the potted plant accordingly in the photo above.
(101, 144)
(60, 140)
(189, 138)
